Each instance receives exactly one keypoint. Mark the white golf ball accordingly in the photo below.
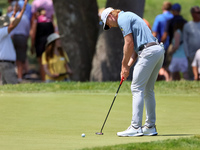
(83, 135)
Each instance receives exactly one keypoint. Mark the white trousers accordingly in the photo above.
(145, 73)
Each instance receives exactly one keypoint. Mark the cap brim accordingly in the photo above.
(106, 27)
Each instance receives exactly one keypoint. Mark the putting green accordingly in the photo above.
(55, 121)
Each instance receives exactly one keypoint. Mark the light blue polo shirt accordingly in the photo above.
(129, 22)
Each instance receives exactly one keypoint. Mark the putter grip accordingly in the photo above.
(122, 79)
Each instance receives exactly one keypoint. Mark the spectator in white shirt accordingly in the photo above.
(7, 51)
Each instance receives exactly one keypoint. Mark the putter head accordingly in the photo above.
(99, 133)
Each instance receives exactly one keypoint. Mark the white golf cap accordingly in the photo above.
(104, 16)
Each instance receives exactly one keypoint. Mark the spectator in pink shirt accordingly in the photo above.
(46, 4)
(41, 28)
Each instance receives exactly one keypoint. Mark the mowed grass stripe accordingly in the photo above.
(47, 120)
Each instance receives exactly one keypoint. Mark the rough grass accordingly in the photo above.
(162, 87)
(192, 143)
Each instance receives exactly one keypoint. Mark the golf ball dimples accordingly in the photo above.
(83, 135)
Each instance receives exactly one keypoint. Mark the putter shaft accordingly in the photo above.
(111, 105)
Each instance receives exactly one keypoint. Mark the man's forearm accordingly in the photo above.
(15, 21)
(132, 59)
(195, 72)
(128, 51)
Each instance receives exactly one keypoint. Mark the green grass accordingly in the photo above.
(53, 116)
(162, 87)
(154, 7)
(192, 143)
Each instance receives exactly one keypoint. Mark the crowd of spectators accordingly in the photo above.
(181, 42)
(36, 22)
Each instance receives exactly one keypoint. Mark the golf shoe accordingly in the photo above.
(131, 131)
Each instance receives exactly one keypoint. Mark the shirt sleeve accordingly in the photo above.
(185, 41)
(33, 8)
(3, 32)
(125, 25)
(155, 25)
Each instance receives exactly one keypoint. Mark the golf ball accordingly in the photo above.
(83, 135)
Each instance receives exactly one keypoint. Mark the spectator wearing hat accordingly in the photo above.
(191, 34)
(55, 60)
(169, 31)
(169, 28)
(7, 51)
(178, 62)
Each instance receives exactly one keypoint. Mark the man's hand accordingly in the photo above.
(15, 21)
(125, 72)
(127, 54)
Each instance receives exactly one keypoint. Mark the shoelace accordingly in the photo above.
(131, 127)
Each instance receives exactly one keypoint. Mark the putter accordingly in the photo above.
(101, 133)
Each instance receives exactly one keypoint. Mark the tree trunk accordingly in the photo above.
(78, 21)
(109, 49)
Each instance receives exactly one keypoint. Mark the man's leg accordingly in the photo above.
(149, 96)
(9, 75)
(190, 71)
(143, 71)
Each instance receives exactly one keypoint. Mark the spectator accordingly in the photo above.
(55, 60)
(161, 22)
(191, 34)
(158, 30)
(9, 10)
(42, 16)
(196, 66)
(46, 4)
(148, 24)
(40, 31)
(169, 28)
(7, 52)
(27, 12)
(20, 38)
(179, 61)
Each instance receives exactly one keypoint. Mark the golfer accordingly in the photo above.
(141, 46)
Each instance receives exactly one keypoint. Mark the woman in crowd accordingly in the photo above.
(179, 61)
(55, 60)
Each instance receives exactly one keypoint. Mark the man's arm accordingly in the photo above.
(195, 72)
(132, 59)
(176, 43)
(154, 34)
(128, 51)
(46, 70)
(15, 21)
(164, 37)
(166, 30)
(185, 41)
